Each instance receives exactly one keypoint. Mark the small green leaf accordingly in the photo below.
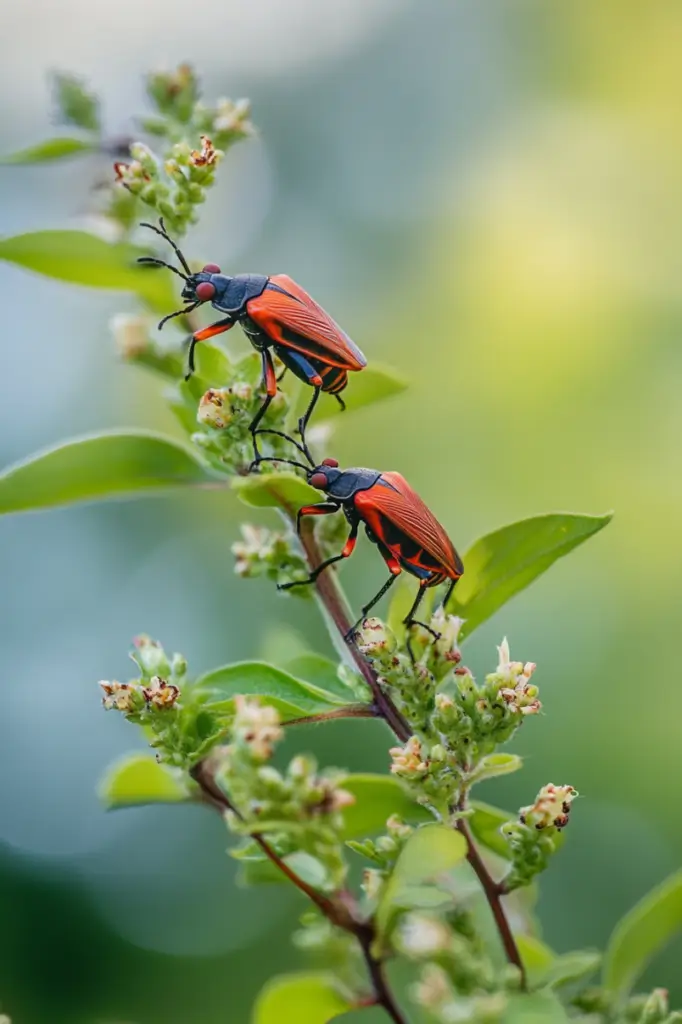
(537, 1008)
(571, 967)
(261, 871)
(81, 258)
(257, 678)
(373, 384)
(299, 999)
(496, 764)
(377, 797)
(276, 490)
(322, 673)
(485, 823)
(537, 958)
(100, 467)
(77, 105)
(505, 562)
(642, 933)
(139, 779)
(431, 851)
(50, 149)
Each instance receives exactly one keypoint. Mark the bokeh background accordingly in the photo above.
(489, 198)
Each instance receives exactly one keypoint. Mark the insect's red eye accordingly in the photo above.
(330, 462)
(205, 291)
(211, 268)
(318, 480)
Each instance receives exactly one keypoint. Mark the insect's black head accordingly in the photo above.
(324, 476)
(204, 286)
(198, 288)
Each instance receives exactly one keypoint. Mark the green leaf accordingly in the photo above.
(261, 871)
(485, 823)
(81, 258)
(571, 967)
(99, 467)
(299, 999)
(538, 1008)
(257, 678)
(642, 933)
(377, 797)
(505, 562)
(139, 779)
(494, 765)
(373, 384)
(431, 851)
(322, 673)
(275, 490)
(537, 958)
(50, 149)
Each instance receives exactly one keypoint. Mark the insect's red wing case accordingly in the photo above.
(294, 309)
(407, 511)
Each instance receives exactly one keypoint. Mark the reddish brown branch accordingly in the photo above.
(347, 711)
(493, 893)
(334, 601)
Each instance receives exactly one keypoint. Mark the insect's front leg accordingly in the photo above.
(203, 335)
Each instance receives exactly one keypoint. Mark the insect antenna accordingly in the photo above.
(178, 312)
(161, 230)
(288, 462)
(154, 262)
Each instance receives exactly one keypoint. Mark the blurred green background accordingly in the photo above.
(489, 198)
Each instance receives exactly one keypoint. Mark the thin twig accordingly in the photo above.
(493, 893)
(347, 711)
(340, 911)
(335, 602)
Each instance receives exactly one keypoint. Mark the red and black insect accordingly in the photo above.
(278, 316)
(407, 533)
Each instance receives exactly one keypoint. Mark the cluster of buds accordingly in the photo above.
(653, 1008)
(227, 408)
(551, 808)
(533, 838)
(300, 809)
(131, 698)
(174, 182)
(435, 993)
(383, 852)
(263, 552)
(515, 687)
(467, 969)
(256, 726)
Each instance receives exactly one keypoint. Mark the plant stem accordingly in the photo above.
(347, 711)
(377, 973)
(493, 894)
(334, 600)
(339, 911)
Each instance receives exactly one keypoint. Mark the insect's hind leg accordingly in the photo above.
(409, 621)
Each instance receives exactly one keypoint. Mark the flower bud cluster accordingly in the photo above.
(299, 809)
(263, 552)
(225, 410)
(458, 980)
(384, 852)
(533, 838)
(160, 699)
(653, 1008)
(174, 182)
(456, 722)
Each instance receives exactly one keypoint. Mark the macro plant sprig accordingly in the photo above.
(438, 866)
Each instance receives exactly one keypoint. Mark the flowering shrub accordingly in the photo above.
(438, 864)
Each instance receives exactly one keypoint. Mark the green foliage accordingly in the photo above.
(431, 851)
(427, 895)
(139, 779)
(299, 999)
(100, 467)
(81, 258)
(644, 930)
(51, 149)
(506, 561)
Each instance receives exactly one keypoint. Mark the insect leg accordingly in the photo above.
(409, 621)
(449, 593)
(347, 550)
(270, 381)
(203, 335)
(368, 607)
(323, 508)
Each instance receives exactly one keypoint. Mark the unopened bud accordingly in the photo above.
(215, 409)
(374, 638)
(422, 936)
(150, 656)
(130, 333)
